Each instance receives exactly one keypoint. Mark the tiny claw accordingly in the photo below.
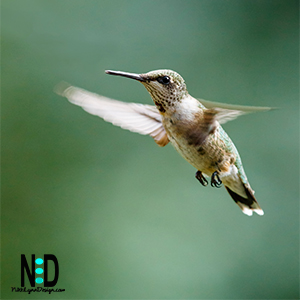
(215, 180)
(201, 178)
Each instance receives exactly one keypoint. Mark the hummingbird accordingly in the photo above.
(192, 126)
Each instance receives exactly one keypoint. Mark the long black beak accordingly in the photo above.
(125, 74)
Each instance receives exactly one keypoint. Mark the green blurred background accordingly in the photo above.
(125, 218)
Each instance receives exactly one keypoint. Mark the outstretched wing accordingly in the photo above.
(143, 119)
(213, 114)
(227, 112)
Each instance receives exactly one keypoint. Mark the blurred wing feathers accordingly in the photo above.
(225, 115)
(143, 119)
(228, 112)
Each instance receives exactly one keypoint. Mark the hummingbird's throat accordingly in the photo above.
(160, 107)
(164, 99)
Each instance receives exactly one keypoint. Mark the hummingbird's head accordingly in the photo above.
(166, 87)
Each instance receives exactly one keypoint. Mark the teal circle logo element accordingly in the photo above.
(39, 280)
(39, 261)
(39, 271)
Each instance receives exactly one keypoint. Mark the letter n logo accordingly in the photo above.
(25, 268)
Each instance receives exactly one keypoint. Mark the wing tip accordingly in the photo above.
(61, 88)
(243, 108)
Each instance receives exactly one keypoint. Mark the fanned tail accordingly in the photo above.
(248, 205)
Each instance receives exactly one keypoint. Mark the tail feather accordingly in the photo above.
(247, 205)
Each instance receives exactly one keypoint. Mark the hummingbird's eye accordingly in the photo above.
(164, 79)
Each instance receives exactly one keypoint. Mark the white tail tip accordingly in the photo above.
(247, 211)
(259, 211)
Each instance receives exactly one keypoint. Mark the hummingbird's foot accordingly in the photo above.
(215, 180)
(201, 178)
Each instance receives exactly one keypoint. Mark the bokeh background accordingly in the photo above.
(125, 218)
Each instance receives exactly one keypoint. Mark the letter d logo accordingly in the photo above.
(52, 257)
